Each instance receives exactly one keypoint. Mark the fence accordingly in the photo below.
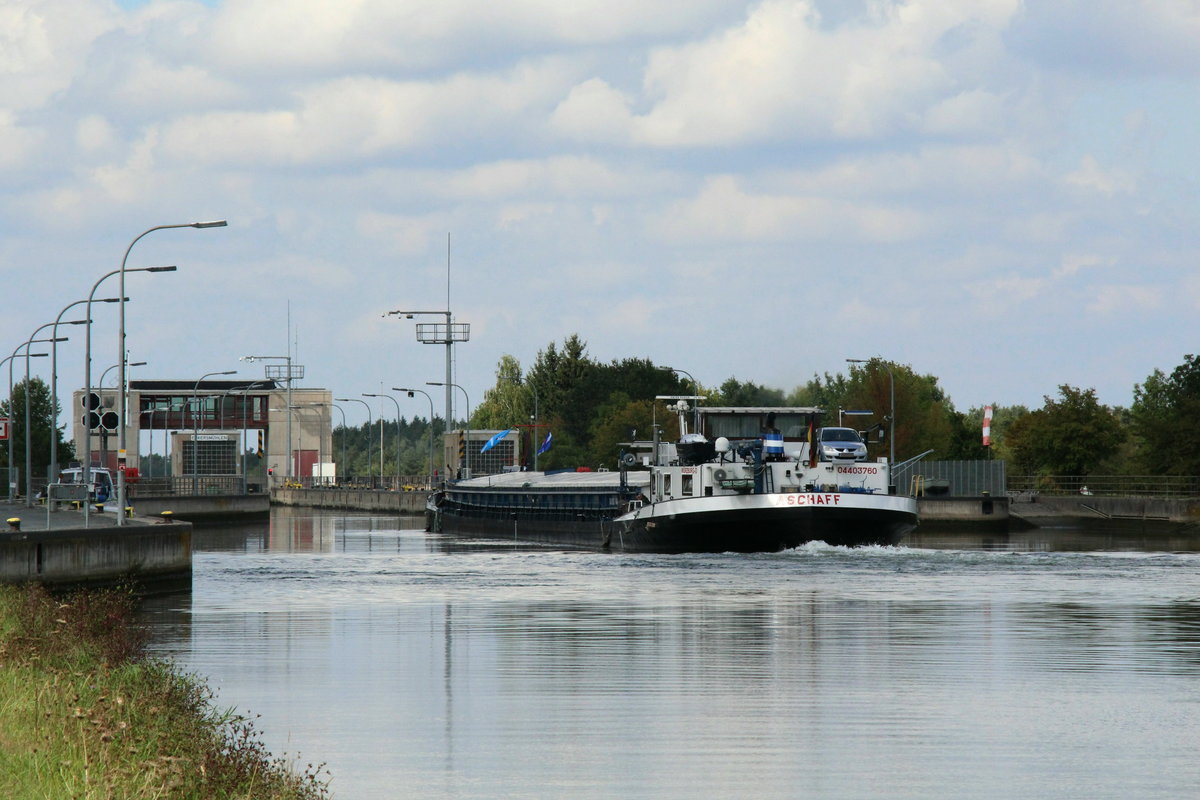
(960, 478)
(1106, 485)
(388, 483)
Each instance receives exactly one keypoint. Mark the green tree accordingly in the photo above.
(736, 393)
(925, 417)
(623, 419)
(508, 403)
(1068, 436)
(43, 410)
(1162, 415)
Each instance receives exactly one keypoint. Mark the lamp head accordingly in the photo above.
(170, 268)
(217, 223)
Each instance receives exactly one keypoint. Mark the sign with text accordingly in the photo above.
(4, 429)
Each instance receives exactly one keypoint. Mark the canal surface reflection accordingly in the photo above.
(418, 666)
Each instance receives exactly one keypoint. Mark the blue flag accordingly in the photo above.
(492, 442)
(546, 444)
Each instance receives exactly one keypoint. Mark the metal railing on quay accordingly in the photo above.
(1172, 486)
(203, 485)
(388, 483)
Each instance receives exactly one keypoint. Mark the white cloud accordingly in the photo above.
(358, 117)
(1124, 299)
(723, 211)
(780, 76)
(316, 37)
(16, 142)
(44, 45)
(1091, 176)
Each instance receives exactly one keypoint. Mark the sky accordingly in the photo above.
(999, 194)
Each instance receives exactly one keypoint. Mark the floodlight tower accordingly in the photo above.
(285, 372)
(446, 333)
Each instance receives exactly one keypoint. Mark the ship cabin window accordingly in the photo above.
(685, 485)
(794, 427)
(666, 485)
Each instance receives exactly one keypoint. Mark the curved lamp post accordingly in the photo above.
(695, 393)
(124, 385)
(411, 392)
(343, 461)
(397, 404)
(104, 374)
(54, 411)
(466, 422)
(87, 377)
(368, 407)
(11, 360)
(53, 340)
(891, 404)
(196, 426)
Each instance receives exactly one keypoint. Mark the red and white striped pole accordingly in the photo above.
(987, 426)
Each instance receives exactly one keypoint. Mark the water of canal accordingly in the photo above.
(1057, 665)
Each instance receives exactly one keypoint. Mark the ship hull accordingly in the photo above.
(743, 523)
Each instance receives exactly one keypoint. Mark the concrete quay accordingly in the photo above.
(55, 549)
(352, 499)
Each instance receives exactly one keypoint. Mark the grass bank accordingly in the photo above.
(85, 714)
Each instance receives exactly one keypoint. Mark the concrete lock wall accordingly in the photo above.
(352, 499)
(144, 554)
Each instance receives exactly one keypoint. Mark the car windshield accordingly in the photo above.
(840, 435)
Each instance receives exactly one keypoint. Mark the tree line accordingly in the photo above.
(592, 407)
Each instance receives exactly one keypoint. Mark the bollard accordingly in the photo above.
(128, 512)
(99, 507)
(166, 517)
(14, 523)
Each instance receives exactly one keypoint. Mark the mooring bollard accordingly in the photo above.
(14, 523)
(129, 512)
(166, 517)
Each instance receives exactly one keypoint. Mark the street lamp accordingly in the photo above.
(695, 398)
(53, 340)
(368, 407)
(124, 410)
(533, 439)
(11, 361)
(196, 427)
(53, 471)
(466, 421)
(288, 372)
(320, 435)
(446, 334)
(411, 393)
(891, 405)
(397, 403)
(104, 374)
(244, 391)
(343, 461)
(87, 379)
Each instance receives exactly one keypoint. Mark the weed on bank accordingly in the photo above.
(84, 714)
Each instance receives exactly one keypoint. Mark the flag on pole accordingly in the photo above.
(987, 426)
(546, 444)
(812, 446)
(492, 442)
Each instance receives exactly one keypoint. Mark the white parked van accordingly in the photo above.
(101, 481)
